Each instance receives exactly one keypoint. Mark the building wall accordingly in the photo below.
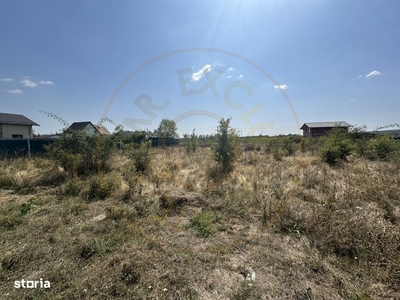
(320, 131)
(9, 130)
(324, 130)
(89, 130)
(306, 131)
(1, 131)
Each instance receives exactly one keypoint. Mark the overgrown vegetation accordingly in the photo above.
(314, 218)
(140, 155)
(78, 153)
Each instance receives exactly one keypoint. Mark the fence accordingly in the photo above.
(23, 147)
(35, 147)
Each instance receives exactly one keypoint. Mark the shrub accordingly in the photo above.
(359, 140)
(289, 146)
(277, 154)
(72, 188)
(382, 147)
(192, 143)
(337, 146)
(100, 188)
(140, 155)
(78, 153)
(202, 222)
(224, 150)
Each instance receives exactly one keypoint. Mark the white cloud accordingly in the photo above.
(229, 76)
(360, 76)
(281, 87)
(28, 83)
(373, 73)
(15, 91)
(198, 75)
(230, 69)
(6, 79)
(46, 82)
(241, 75)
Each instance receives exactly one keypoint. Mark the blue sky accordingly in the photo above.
(270, 65)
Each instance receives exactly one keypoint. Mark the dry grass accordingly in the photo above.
(308, 230)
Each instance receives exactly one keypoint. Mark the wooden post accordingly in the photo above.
(29, 142)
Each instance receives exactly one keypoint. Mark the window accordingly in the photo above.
(17, 136)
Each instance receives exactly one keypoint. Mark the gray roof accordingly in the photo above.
(13, 119)
(80, 125)
(326, 124)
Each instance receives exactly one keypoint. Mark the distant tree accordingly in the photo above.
(167, 129)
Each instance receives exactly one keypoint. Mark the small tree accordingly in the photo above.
(359, 140)
(225, 147)
(191, 142)
(141, 156)
(167, 129)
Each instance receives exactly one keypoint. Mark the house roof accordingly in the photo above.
(325, 124)
(80, 125)
(13, 119)
(101, 129)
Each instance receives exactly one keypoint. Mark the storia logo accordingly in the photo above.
(32, 284)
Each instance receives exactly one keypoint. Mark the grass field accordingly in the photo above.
(308, 230)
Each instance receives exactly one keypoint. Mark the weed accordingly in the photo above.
(100, 187)
(27, 206)
(202, 222)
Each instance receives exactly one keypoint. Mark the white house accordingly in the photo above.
(15, 126)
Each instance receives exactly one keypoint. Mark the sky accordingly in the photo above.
(270, 66)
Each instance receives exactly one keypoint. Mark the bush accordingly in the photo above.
(337, 146)
(202, 222)
(192, 142)
(383, 147)
(224, 150)
(359, 140)
(78, 153)
(100, 188)
(72, 188)
(289, 146)
(140, 155)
